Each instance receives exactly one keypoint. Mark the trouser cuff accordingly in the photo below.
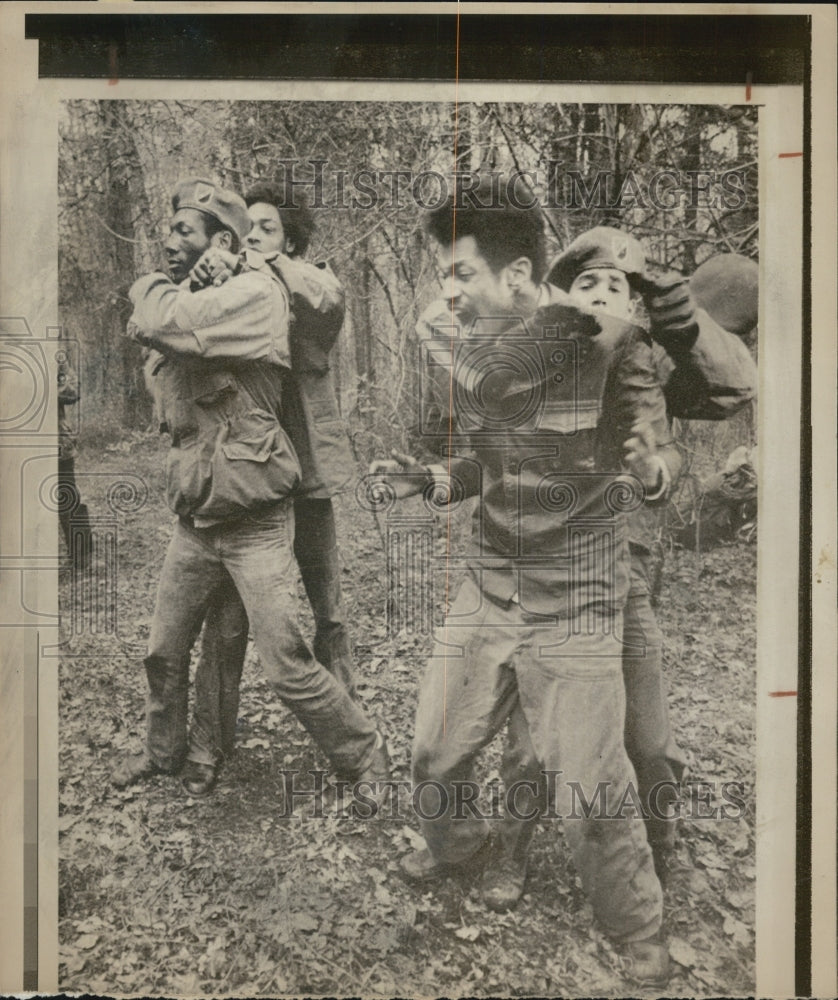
(643, 933)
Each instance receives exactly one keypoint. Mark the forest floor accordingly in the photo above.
(163, 894)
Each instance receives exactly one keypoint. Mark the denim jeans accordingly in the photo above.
(254, 554)
(658, 760)
(224, 641)
(316, 551)
(562, 689)
(656, 757)
(218, 676)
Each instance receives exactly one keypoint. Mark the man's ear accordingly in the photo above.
(289, 248)
(223, 240)
(519, 272)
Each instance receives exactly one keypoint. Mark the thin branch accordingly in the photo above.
(518, 168)
(119, 236)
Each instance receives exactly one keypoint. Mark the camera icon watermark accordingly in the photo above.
(40, 419)
(529, 402)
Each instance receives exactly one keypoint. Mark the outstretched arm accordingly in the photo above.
(637, 421)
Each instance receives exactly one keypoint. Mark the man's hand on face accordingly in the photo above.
(404, 475)
(640, 455)
(214, 267)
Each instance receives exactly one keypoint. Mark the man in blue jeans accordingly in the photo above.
(281, 228)
(706, 372)
(223, 362)
(557, 418)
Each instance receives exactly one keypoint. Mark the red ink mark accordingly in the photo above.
(749, 79)
(782, 694)
(113, 65)
(785, 156)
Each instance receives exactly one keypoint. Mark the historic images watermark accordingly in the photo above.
(564, 799)
(553, 187)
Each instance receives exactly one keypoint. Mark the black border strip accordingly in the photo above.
(722, 49)
(803, 860)
(31, 837)
(544, 47)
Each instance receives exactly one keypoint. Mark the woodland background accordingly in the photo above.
(161, 894)
(119, 161)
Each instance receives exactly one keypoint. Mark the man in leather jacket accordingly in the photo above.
(556, 423)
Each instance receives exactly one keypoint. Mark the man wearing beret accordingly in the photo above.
(282, 224)
(223, 366)
(707, 373)
(552, 407)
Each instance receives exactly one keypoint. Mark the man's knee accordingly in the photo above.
(171, 670)
(430, 761)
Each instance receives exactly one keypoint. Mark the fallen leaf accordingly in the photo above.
(467, 933)
(740, 897)
(738, 931)
(74, 962)
(89, 925)
(416, 840)
(683, 953)
(87, 941)
(304, 922)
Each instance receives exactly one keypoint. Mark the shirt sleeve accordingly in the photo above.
(317, 297)
(714, 378)
(635, 396)
(247, 318)
(458, 475)
(457, 479)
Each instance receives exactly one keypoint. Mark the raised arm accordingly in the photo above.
(246, 318)
(707, 372)
(317, 297)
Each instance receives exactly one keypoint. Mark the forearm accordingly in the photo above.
(246, 318)
(317, 297)
(459, 477)
(708, 372)
(720, 372)
(670, 459)
(639, 425)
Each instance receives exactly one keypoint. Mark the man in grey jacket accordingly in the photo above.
(224, 356)
(281, 227)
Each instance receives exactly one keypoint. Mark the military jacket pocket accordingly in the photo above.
(250, 438)
(188, 475)
(254, 464)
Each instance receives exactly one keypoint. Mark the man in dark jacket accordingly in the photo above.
(556, 420)
(707, 373)
(224, 355)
